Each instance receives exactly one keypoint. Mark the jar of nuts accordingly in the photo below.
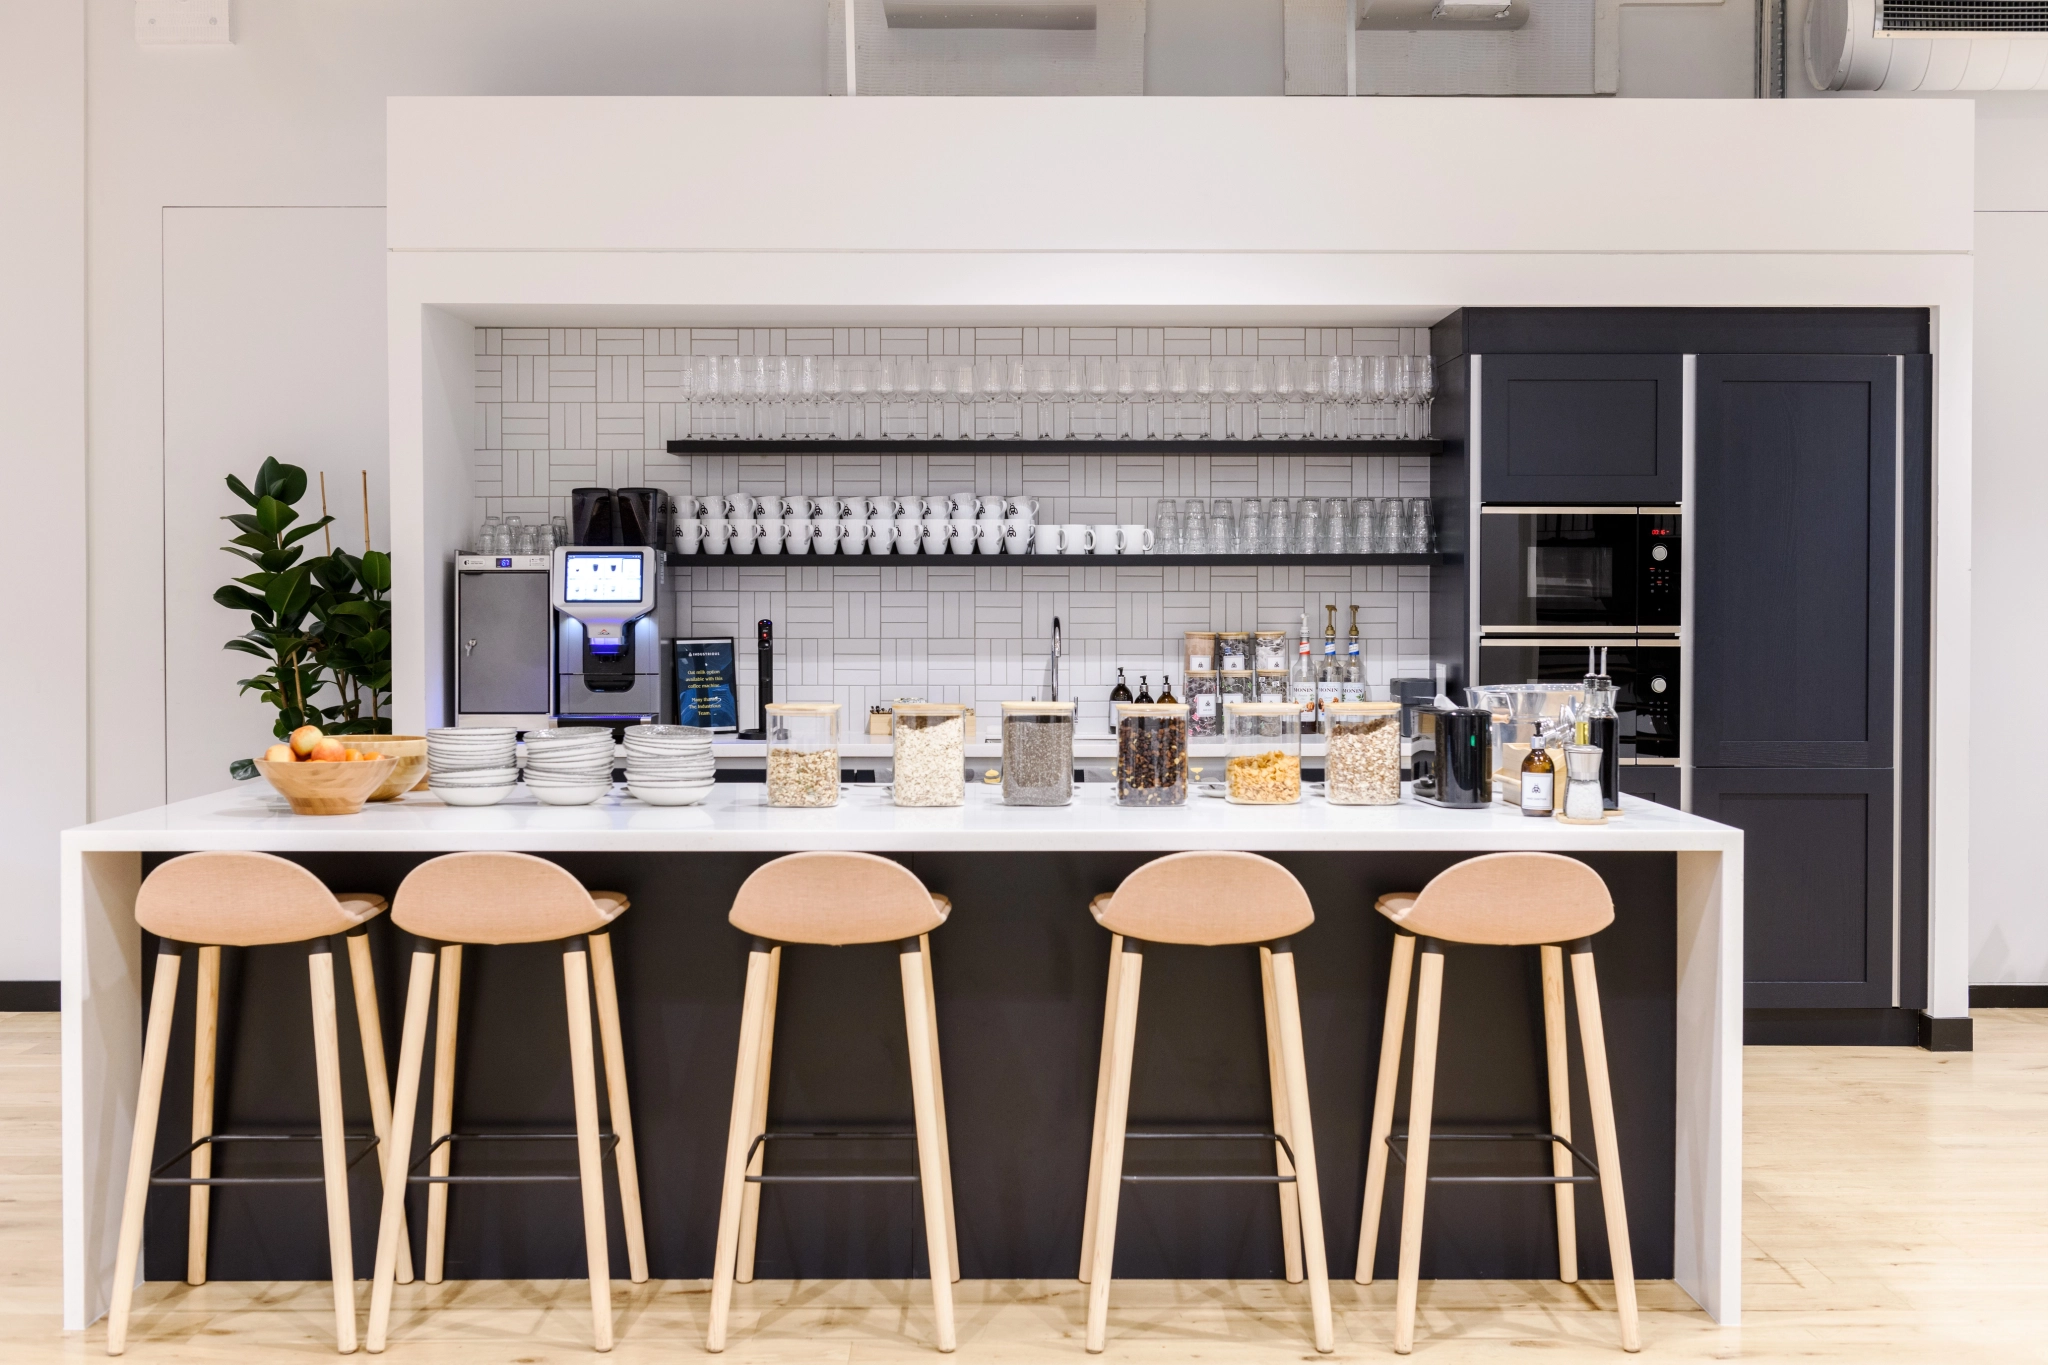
(1364, 763)
(1264, 747)
(930, 754)
(1152, 755)
(803, 753)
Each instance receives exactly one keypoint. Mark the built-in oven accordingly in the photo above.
(1588, 570)
(1645, 672)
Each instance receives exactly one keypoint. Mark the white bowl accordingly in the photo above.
(669, 796)
(504, 772)
(472, 796)
(581, 794)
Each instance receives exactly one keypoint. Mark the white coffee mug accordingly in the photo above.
(879, 534)
(1138, 540)
(1017, 536)
(796, 535)
(746, 536)
(989, 507)
(828, 507)
(906, 505)
(689, 535)
(962, 529)
(933, 535)
(1080, 540)
(874, 507)
(717, 531)
(988, 537)
(824, 535)
(853, 537)
(796, 505)
(908, 534)
(1021, 506)
(1109, 540)
(700, 506)
(1049, 540)
(769, 530)
(960, 506)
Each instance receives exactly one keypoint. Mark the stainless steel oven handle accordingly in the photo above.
(1577, 642)
(1548, 511)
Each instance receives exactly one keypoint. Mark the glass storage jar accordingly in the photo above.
(1269, 650)
(1270, 684)
(1038, 753)
(1234, 651)
(930, 744)
(1263, 742)
(1201, 651)
(1234, 685)
(1152, 755)
(1203, 701)
(1363, 767)
(803, 753)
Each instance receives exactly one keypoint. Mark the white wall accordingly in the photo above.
(42, 464)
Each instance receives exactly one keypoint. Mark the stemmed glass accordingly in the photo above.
(803, 393)
(1017, 386)
(860, 380)
(1205, 390)
(1312, 394)
(938, 391)
(1260, 389)
(1152, 391)
(831, 388)
(1045, 388)
(1073, 384)
(1230, 377)
(910, 386)
(1127, 395)
(693, 387)
(1422, 383)
(730, 391)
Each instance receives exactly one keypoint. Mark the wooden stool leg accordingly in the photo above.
(362, 975)
(156, 1049)
(341, 1256)
(623, 1155)
(1392, 1026)
(205, 1035)
(917, 1024)
(589, 1145)
(1276, 1075)
(405, 1100)
(739, 1135)
(1302, 1134)
(750, 1193)
(442, 1117)
(931, 1015)
(1593, 1043)
(1123, 1037)
(1116, 955)
(1421, 1098)
(1558, 1064)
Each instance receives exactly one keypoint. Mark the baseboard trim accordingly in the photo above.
(1940, 1034)
(1876, 1027)
(28, 996)
(2009, 997)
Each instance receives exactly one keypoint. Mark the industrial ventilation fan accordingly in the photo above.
(1927, 44)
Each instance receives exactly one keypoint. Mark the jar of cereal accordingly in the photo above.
(930, 754)
(803, 753)
(1264, 746)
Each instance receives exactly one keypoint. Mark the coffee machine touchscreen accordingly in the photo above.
(601, 578)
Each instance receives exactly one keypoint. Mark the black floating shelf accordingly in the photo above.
(1026, 561)
(999, 444)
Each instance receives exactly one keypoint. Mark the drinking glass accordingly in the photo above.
(1251, 532)
(1393, 527)
(1382, 393)
(803, 394)
(988, 390)
(487, 535)
(1205, 390)
(910, 389)
(1418, 526)
(1180, 382)
(1195, 528)
(1279, 528)
(1166, 527)
(1102, 393)
(1308, 531)
(508, 536)
(1222, 527)
(1287, 371)
(1336, 526)
(1365, 538)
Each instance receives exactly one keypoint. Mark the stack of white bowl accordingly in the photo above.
(669, 765)
(472, 766)
(569, 767)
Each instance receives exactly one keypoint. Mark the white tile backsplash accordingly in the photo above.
(563, 407)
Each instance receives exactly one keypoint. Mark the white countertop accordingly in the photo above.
(737, 818)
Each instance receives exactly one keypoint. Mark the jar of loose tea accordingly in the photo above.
(1152, 755)
(1038, 753)
(1364, 763)
(1264, 746)
(1203, 699)
(1233, 651)
(930, 754)
(1269, 684)
(1269, 650)
(1201, 651)
(1234, 684)
(803, 753)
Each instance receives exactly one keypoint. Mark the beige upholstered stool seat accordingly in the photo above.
(1537, 900)
(1206, 899)
(242, 900)
(836, 899)
(500, 898)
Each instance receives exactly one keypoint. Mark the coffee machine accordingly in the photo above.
(614, 618)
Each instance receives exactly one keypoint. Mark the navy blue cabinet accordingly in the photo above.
(1581, 428)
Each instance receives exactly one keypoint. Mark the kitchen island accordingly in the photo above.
(1019, 970)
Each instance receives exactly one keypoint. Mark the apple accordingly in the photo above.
(303, 740)
(326, 750)
(279, 753)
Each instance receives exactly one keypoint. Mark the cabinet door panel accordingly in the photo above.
(1652, 781)
(504, 662)
(1581, 428)
(1794, 579)
(1817, 881)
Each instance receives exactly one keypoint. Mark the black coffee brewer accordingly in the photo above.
(1454, 756)
(625, 516)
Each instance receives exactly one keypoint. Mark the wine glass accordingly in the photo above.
(1422, 381)
(831, 389)
(1151, 391)
(1382, 393)
(1073, 384)
(938, 391)
(1287, 371)
(1312, 394)
(1126, 395)
(1045, 388)
(1205, 390)
(860, 379)
(1016, 387)
(1230, 376)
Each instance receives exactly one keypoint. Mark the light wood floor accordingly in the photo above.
(1896, 1206)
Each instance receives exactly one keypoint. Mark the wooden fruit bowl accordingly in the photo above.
(327, 788)
(409, 750)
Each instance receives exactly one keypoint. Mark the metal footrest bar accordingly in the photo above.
(1155, 1135)
(841, 1133)
(1397, 1143)
(606, 1142)
(157, 1176)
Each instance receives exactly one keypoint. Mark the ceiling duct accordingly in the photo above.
(961, 14)
(1441, 16)
(1931, 45)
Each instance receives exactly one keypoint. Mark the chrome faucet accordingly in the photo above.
(1053, 662)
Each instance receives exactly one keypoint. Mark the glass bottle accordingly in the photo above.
(1144, 697)
(1353, 687)
(1603, 728)
(1166, 697)
(1329, 677)
(1539, 780)
(1301, 683)
(1118, 694)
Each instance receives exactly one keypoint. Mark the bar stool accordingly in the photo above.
(1208, 899)
(499, 898)
(834, 899)
(242, 900)
(1515, 900)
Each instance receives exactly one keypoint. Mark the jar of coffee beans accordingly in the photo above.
(1038, 753)
(1152, 755)
(1364, 763)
